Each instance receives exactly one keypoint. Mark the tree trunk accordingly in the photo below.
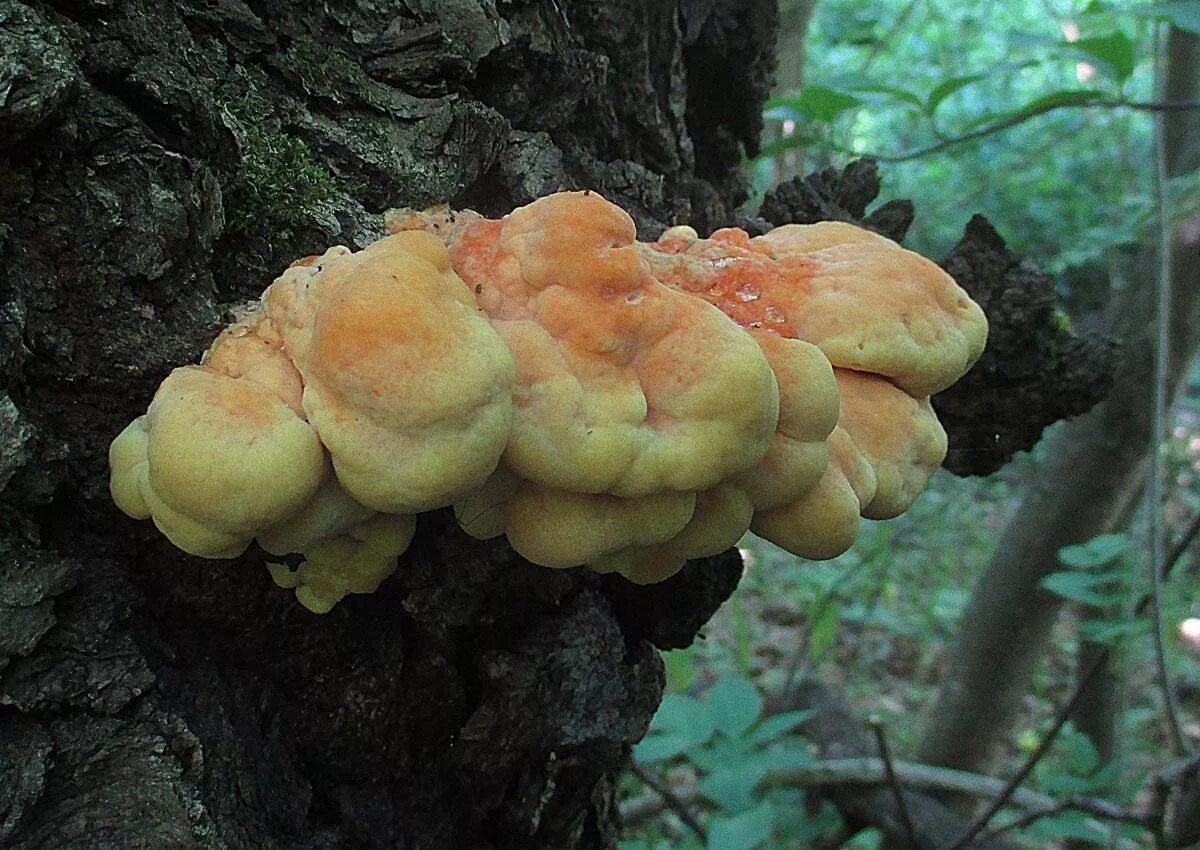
(1093, 465)
(160, 163)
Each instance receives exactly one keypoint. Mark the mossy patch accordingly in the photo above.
(278, 180)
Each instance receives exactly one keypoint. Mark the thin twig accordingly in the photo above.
(867, 772)
(672, 800)
(1020, 117)
(1099, 808)
(1066, 710)
(1023, 821)
(1182, 544)
(890, 771)
(1158, 417)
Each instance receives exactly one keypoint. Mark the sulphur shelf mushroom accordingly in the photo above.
(594, 399)
(363, 388)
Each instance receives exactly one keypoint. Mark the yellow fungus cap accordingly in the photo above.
(404, 379)
(823, 522)
(623, 386)
(873, 306)
(213, 460)
(900, 437)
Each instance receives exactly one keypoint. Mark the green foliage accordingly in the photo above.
(1064, 173)
(731, 747)
(898, 77)
(1102, 577)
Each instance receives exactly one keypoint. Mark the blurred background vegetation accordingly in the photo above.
(1034, 113)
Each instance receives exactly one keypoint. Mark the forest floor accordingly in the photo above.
(877, 625)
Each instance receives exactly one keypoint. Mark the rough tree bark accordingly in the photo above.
(161, 162)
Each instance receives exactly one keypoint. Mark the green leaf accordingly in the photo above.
(741, 832)
(778, 725)
(680, 724)
(718, 752)
(787, 143)
(681, 668)
(1114, 49)
(662, 746)
(824, 632)
(1079, 587)
(1103, 549)
(948, 87)
(1184, 15)
(1044, 103)
(1071, 825)
(734, 705)
(731, 786)
(1108, 632)
(816, 103)
(785, 756)
(680, 713)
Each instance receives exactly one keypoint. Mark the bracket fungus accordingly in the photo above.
(594, 399)
(362, 388)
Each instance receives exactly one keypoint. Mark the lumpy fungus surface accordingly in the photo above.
(594, 399)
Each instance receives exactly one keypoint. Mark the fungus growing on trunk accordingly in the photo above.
(363, 388)
(596, 400)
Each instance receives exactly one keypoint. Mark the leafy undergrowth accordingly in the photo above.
(876, 625)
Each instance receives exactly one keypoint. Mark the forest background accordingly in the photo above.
(1008, 587)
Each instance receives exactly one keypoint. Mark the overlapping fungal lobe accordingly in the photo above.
(291, 432)
(894, 326)
(223, 450)
(630, 397)
(873, 306)
(405, 381)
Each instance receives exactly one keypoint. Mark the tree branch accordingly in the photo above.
(1043, 747)
(1024, 115)
(1154, 482)
(681, 807)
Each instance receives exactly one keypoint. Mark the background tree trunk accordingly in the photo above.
(1092, 471)
(161, 162)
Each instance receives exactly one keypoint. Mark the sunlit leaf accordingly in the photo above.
(816, 103)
